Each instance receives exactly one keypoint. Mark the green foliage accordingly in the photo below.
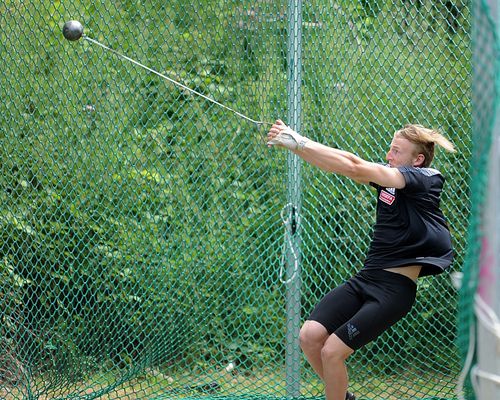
(140, 224)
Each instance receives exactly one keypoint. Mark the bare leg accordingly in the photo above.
(313, 336)
(333, 356)
(326, 354)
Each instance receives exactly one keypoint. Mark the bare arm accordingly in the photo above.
(334, 160)
(348, 164)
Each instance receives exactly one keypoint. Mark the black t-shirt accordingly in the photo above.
(410, 228)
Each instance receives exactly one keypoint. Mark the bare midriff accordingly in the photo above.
(410, 271)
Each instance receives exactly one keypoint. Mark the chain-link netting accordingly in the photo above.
(153, 247)
(485, 83)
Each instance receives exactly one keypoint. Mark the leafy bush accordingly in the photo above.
(140, 224)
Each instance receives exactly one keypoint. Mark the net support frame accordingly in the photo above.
(293, 259)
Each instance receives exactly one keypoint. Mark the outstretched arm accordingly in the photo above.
(334, 160)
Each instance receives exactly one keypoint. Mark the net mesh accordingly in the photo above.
(145, 232)
(484, 99)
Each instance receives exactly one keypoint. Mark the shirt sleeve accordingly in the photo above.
(418, 179)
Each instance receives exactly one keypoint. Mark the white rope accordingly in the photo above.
(479, 373)
(488, 318)
(288, 243)
(467, 365)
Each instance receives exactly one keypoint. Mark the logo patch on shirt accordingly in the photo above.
(386, 196)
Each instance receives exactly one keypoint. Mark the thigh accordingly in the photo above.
(337, 307)
(382, 309)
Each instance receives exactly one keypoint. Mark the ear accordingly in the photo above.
(419, 160)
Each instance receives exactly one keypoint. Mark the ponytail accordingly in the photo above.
(425, 139)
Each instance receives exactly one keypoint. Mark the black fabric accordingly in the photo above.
(366, 305)
(410, 228)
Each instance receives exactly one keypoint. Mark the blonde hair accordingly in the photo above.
(425, 140)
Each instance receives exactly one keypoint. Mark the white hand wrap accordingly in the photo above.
(290, 139)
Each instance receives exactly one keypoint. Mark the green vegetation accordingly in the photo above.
(140, 225)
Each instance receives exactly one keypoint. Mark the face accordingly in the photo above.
(403, 153)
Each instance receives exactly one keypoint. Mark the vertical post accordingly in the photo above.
(488, 293)
(293, 302)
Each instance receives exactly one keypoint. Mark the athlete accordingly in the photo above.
(410, 239)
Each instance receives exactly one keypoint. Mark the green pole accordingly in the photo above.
(293, 282)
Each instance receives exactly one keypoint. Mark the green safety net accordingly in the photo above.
(485, 85)
(153, 247)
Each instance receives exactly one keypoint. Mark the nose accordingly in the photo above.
(388, 156)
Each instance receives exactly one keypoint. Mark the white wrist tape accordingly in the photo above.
(290, 139)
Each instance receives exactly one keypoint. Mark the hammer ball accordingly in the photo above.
(72, 30)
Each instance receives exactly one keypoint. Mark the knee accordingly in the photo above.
(312, 336)
(331, 353)
(335, 350)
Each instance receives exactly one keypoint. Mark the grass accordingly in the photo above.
(264, 384)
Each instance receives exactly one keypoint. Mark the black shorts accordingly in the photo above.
(366, 305)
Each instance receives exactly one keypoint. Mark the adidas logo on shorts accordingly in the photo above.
(352, 331)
